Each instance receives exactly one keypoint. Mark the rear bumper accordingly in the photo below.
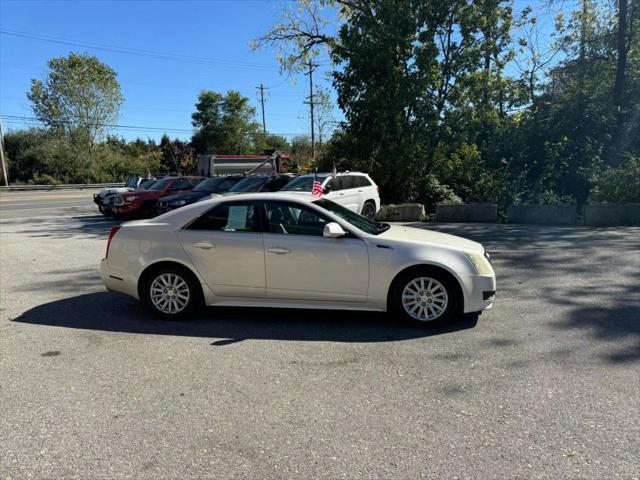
(118, 281)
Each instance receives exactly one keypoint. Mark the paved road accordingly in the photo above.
(546, 385)
(46, 203)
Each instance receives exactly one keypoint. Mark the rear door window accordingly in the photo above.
(348, 181)
(228, 217)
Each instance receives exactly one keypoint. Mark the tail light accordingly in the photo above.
(112, 233)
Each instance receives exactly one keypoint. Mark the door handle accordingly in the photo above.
(279, 250)
(204, 245)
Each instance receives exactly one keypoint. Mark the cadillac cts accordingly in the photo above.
(293, 250)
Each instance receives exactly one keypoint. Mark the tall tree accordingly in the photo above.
(79, 95)
(226, 124)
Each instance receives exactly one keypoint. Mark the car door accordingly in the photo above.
(226, 247)
(346, 192)
(302, 264)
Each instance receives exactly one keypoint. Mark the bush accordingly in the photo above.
(431, 191)
(619, 185)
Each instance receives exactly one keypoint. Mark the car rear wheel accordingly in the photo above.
(369, 209)
(428, 298)
(172, 293)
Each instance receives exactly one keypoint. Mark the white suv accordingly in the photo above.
(353, 190)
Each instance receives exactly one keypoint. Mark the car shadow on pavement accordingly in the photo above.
(63, 227)
(114, 313)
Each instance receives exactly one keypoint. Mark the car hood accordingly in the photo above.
(111, 191)
(400, 233)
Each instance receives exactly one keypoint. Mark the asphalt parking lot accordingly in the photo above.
(544, 385)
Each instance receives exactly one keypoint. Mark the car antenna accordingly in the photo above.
(175, 163)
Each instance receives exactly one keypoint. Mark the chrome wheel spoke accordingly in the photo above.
(425, 299)
(169, 293)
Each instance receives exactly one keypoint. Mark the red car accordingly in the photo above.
(141, 203)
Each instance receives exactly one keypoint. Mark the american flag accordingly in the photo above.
(316, 189)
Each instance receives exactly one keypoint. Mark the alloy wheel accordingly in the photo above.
(425, 299)
(169, 293)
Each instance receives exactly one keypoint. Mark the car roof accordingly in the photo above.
(305, 197)
(325, 174)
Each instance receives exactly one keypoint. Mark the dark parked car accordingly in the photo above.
(203, 190)
(141, 203)
(261, 183)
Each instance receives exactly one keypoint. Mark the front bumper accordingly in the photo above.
(480, 292)
(126, 209)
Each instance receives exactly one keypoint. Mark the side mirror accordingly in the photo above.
(333, 230)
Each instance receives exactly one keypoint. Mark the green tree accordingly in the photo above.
(226, 124)
(177, 154)
(80, 95)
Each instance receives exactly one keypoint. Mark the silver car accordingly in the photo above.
(292, 250)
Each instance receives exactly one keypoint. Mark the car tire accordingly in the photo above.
(147, 210)
(426, 297)
(172, 293)
(369, 209)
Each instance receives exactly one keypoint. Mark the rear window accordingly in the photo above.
(362, 181)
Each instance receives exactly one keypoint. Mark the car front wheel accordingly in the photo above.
(171, 293)
(426, 298)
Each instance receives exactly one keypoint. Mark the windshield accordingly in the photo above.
(161, 184)
(147, 184)
(302, 184)
(216, 185)
(358, 221)
(132, 182)
(249, 184)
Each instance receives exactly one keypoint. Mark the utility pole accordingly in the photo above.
(264, 124)
(310, 102)
(4, 165)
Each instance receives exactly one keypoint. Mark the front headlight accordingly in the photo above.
(480, 263)
(178, 203)
(133, 198)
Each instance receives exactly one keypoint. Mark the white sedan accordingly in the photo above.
(289, 250)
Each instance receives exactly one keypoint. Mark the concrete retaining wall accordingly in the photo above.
(407, 212)
(612, 214)
(543, 214)
(473, 212)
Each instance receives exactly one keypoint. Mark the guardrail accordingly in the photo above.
(82, 186)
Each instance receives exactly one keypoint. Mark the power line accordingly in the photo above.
(16, 119)
(212, 61)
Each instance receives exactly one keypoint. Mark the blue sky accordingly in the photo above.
(158, 93)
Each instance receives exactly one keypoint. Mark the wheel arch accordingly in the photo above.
(157, 265)
(427, 267)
